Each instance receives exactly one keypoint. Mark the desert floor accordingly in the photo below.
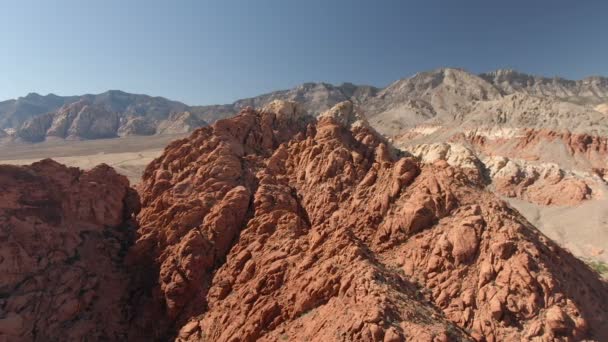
(129, 155)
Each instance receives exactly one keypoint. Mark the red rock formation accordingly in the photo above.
(63, 233)
(586, 150)
(269, 227)
(544, 191)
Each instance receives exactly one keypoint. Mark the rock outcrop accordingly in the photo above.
(86, 120)
(34, 130)
(91, 122)
(136, 126)
(443, 95)
(543, 183)
(454, 154)
(602, 108)
(268, 226)
(79, 120)
(533, 126)
(536, 182)
(14, 113)
(314, 99)
(180, 123)
(63, 234)
(588, 90)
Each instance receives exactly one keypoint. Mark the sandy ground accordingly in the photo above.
(582, 229)
(129, 156)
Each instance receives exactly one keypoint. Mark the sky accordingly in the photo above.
(208, 52)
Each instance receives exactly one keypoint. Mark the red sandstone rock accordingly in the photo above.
(62, 234)
(269, 227)
(585, 150)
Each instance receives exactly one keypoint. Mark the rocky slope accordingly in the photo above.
(590, 90)
(446, 94)
(63, 234)
(602, 108)
(538, 141)
(534, 122)
(13, 113)
(86, 120)
(438, 95)
(110, 114)
(179, 123)
(146, 115)
(270, 226)
(275, 226)
(313, 97)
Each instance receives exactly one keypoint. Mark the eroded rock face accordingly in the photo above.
(543, 183)
(588, 90)
(63, 234)
(535, 182)
(137, 126)
(268, 226)
(34, 130)
(86, 119)
(79, 120)
(602, 108)
(178, 123)
(93, 122)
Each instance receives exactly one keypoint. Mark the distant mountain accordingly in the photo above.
(428, 98)
(590, 90)
(13, 113)
(314, 97)
(442, 94)
(457, 100)
(78, 120)
(114, 113)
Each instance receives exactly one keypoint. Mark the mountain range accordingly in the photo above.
(34, 118)
(442, 94)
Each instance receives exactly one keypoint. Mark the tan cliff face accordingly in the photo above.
(602, 108)
(272, 227)
(88, 120)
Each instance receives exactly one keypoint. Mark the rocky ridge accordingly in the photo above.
(444, 95)
(541, 183)
(534, 126)
(268, 226)
(86, 120)
(314, 98)
(590, 90)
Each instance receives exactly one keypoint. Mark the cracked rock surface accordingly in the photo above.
(269, 226)
(63, 234)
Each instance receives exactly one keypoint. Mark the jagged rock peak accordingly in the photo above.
(287, 110)
(263, 229)
(346, 114)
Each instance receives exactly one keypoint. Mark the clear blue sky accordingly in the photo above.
(204, 52)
